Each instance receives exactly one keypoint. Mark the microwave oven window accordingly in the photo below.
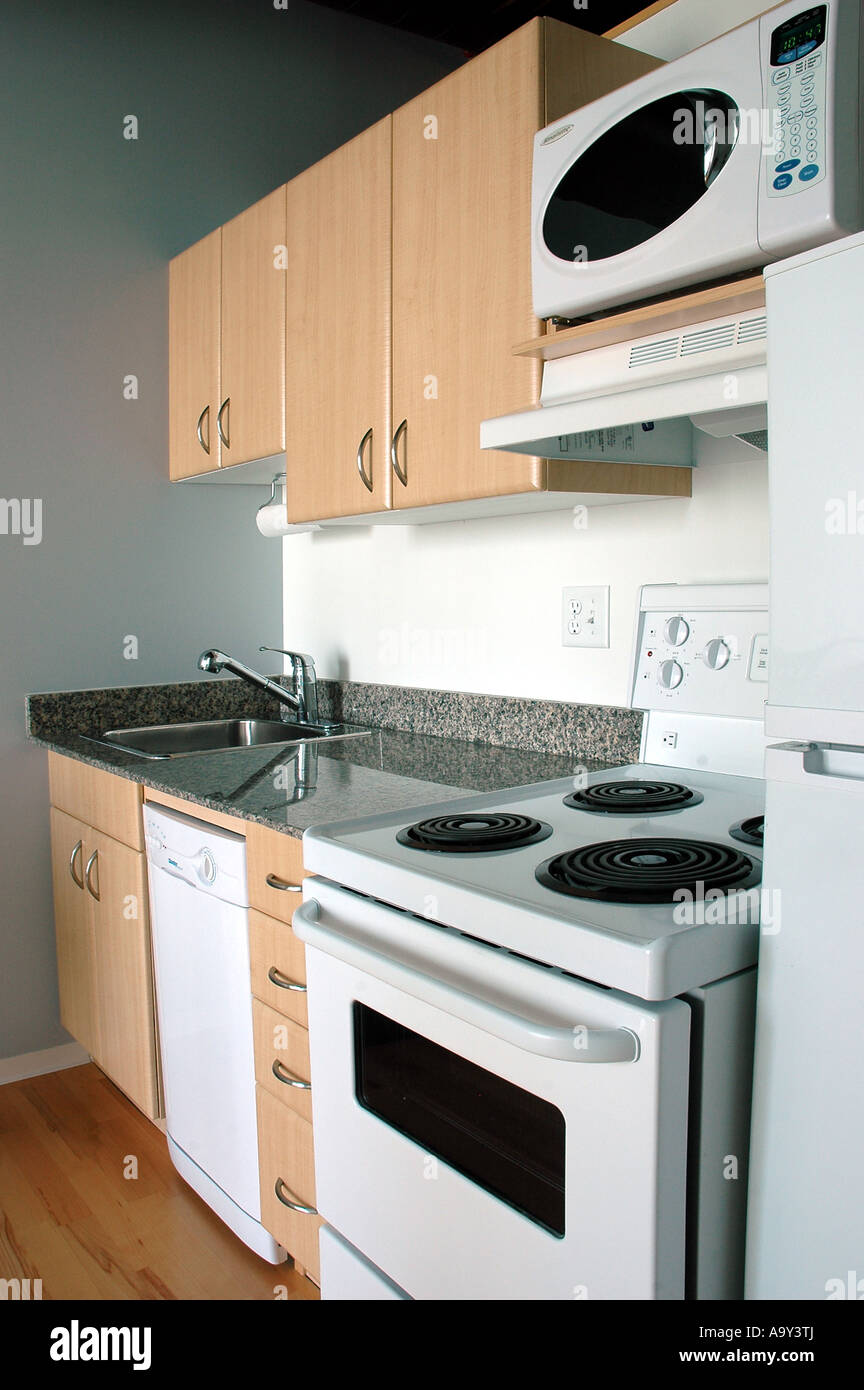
(798, 36)
(504, 1138)
(640, 176)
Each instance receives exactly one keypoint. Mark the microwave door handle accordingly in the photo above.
(574, 1044)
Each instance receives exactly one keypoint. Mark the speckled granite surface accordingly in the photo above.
(386, 769)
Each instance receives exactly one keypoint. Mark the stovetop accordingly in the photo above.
(513, 897)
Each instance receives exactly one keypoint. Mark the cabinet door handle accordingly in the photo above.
(366, 480)
(290, 1201)
(200, 429)
(288, 1078)
(401, 474)
(94, 859)
(274, 881)
(79, 882)
(223, 435)
(276, 977)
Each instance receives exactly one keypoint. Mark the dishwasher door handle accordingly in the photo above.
(576, 1043)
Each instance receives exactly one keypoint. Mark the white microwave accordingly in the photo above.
(742, 152)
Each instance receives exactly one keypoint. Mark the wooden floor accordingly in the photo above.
(69, 1217)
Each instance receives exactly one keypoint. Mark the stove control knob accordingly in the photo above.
(677, 631)
(670, 674)
(716, 654)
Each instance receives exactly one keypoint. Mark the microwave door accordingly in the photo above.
(640, 176)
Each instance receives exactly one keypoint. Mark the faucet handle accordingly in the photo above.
(293, 656)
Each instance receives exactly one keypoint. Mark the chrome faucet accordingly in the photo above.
(303, 700)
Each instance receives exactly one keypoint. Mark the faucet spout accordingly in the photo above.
(215, 661)
(303, 700)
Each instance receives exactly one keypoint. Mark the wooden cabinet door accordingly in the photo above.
(251, 416)
(287, 1172)
(124, 982)
(193, 358)
(462, 154)
(338, 337)
(70, 849)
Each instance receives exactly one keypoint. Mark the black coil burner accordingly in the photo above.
(750, 831)
(474, 834)
(647, 871)
(632, 798)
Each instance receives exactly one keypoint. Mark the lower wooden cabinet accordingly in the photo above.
(282, 1064)
(103, 930)
(287, 1167)
(74, 928)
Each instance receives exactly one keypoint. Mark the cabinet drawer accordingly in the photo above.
(287, 1172)
(274, 868)
(282, 1058)
(278, 965)
(105, 802)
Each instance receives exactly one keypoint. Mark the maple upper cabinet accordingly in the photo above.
(462, 157)
(227, 343)
(338, 340)
(193, 356)
(251, 417)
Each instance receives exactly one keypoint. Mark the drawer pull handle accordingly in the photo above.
(274, 881)
(281, 1190)
(94, 859)
(277, 978)
(223, 434)
(365, 478)
(79, 882)
(401, 473)
(288, 1078)
(200, 429)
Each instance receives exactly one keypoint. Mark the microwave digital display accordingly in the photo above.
(799, 36)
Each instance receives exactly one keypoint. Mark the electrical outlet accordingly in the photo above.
(585, 616)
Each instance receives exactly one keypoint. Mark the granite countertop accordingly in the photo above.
(294, 786)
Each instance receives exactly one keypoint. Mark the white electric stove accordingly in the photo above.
(531, 1012)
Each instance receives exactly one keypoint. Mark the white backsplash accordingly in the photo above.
(476, 605)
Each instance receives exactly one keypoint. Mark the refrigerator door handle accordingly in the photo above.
(817, 764)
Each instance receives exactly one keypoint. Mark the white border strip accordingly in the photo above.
(39, 1063)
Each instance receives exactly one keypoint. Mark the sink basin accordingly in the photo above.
(218, 735)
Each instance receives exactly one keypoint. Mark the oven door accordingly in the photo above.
(485, 1127)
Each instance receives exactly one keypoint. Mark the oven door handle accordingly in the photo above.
(576, 1043)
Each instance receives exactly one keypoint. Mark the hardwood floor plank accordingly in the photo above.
(69, 1217)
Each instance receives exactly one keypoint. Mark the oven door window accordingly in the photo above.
(641, 175)
(505, 1139)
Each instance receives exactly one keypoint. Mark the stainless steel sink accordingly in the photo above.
(218, 735)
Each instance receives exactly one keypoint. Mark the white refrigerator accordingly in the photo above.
(806, 1193)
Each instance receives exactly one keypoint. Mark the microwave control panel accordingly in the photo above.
(702, 662)
(796, 88)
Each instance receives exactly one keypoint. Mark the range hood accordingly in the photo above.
(712, 373)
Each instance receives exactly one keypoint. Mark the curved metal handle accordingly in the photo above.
(394, 456)
(366, 481)
(276, 977)
(199, 430)
(222, 434)
(280, 1189)
(94, 859)
(79, 882)
(288, 1078)
(274, 881)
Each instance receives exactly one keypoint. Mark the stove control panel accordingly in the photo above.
(701, 661)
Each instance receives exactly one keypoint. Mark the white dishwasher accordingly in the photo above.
(200, 928)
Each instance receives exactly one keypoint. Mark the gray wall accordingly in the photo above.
(232, 99)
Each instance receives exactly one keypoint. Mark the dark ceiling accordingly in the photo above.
(474, 29)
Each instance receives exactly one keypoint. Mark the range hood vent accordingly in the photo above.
(712, 373)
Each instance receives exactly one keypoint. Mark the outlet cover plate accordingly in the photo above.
(585, 616)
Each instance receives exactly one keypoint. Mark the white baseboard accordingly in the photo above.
(38, 1063)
